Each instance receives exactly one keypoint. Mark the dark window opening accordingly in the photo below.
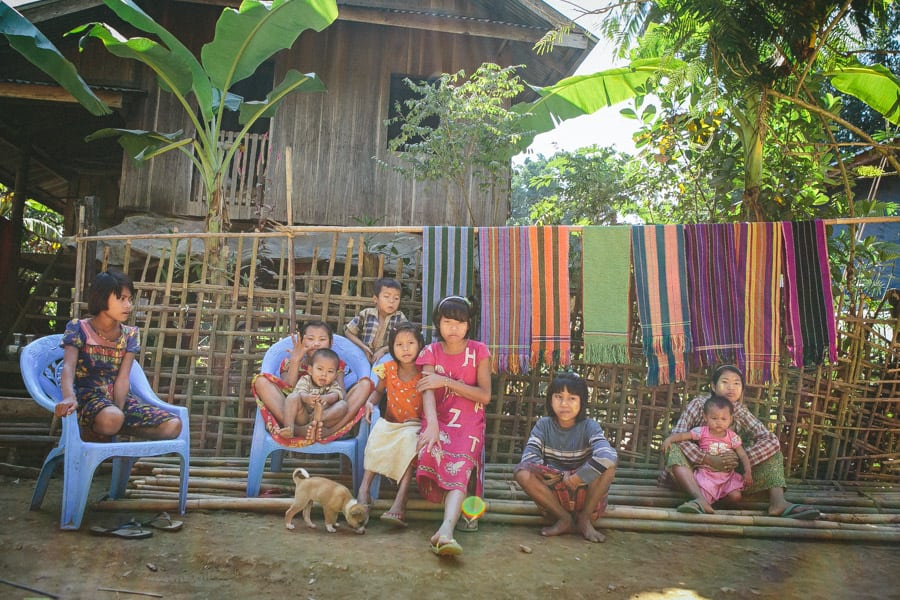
(254, 87)
(400, 93)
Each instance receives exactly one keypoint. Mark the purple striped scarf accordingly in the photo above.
(809, 306)
(717, 314)
(506, 305)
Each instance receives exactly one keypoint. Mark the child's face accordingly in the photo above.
(566, 407)
(119, 309)
(387, 302)
(406, 347)
(718, 419)
(453, 330)
(730, 386)
(315, 338)
(323, 372)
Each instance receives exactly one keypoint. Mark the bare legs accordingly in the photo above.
(452, 509)
(110, 420)
(333, 418)
(580, 521)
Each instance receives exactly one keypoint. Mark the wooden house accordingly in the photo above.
(334, 137)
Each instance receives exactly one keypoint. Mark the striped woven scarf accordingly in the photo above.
(606, 277)
(506, 296)
(759, 250)
(809, 306)
(448, 259)
(550, 325)
(660, 285)
(717, 316)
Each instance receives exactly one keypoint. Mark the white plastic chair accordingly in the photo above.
(41, 364)
(263, 444)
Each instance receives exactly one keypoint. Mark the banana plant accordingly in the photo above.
(244, 38)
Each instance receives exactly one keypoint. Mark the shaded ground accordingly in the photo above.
(243, 555)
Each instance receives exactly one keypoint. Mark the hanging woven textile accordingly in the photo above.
(759, 259)
(550, 324)
(448, 263)
(505, 276)
(716, 311)
(809, 306)
(660, 282)
(606, 279)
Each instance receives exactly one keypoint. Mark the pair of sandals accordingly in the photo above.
(138, 530)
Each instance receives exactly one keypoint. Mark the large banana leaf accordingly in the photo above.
(246, 37)
(140, 144)
(875, 85)
(39, 51)
(293, 81)
(131, 13)
(171, 71)
(584, 94)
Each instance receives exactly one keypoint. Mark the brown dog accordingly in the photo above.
(334, 498)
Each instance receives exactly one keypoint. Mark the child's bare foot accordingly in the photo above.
(286, 432)
(588, 532)
(314, 431)
(562, 526)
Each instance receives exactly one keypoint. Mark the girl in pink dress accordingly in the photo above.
(714, 438)
(455, 386)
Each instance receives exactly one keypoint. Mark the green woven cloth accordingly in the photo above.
(606, 270)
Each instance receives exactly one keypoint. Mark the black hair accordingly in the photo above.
(327, 354)
(387, 282)
(458, 309)
(317, 325)
(572, 383)
(104, 284)
(399, 328)
(721, 370)
(717, 401)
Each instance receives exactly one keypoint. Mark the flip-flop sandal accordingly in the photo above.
(448, 548)
(467, 526)
(799, 512)
(393, 519)
(164, 522)
(691, 507)
(131, 531)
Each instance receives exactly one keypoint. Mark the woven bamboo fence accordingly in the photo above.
(204, 333)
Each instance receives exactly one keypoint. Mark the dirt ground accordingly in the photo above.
(249, 555)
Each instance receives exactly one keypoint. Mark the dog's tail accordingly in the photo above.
(299, 473)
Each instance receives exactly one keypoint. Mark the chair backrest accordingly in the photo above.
(41, 365)
(356, 361)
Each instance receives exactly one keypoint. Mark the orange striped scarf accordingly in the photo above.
(550, 327)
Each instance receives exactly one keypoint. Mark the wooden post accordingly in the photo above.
(289, 193)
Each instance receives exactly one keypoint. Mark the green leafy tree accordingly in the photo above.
(244, 39)
(745, 58)
(584, 187)
(475, 130)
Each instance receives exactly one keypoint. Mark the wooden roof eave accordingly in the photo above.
(54, 93)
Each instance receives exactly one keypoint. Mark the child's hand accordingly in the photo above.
(376, 356)
(310, 400)
(64, 408)
(369, 410)
(431, 381)
(667, 443)
(428, 437)
(748, 479)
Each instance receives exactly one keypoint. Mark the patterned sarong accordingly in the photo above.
(717, 315)
(759, 258)
(506, 315)
(550, 323)
(448, 262)
(809, 306)
(660, 282)
(572, 502)
(606, 277)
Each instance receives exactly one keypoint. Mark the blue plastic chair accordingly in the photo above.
(41, 365)
(263, 444)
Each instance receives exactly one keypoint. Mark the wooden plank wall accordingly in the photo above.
(203, 341)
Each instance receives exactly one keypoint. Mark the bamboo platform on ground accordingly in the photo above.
(852, 511)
